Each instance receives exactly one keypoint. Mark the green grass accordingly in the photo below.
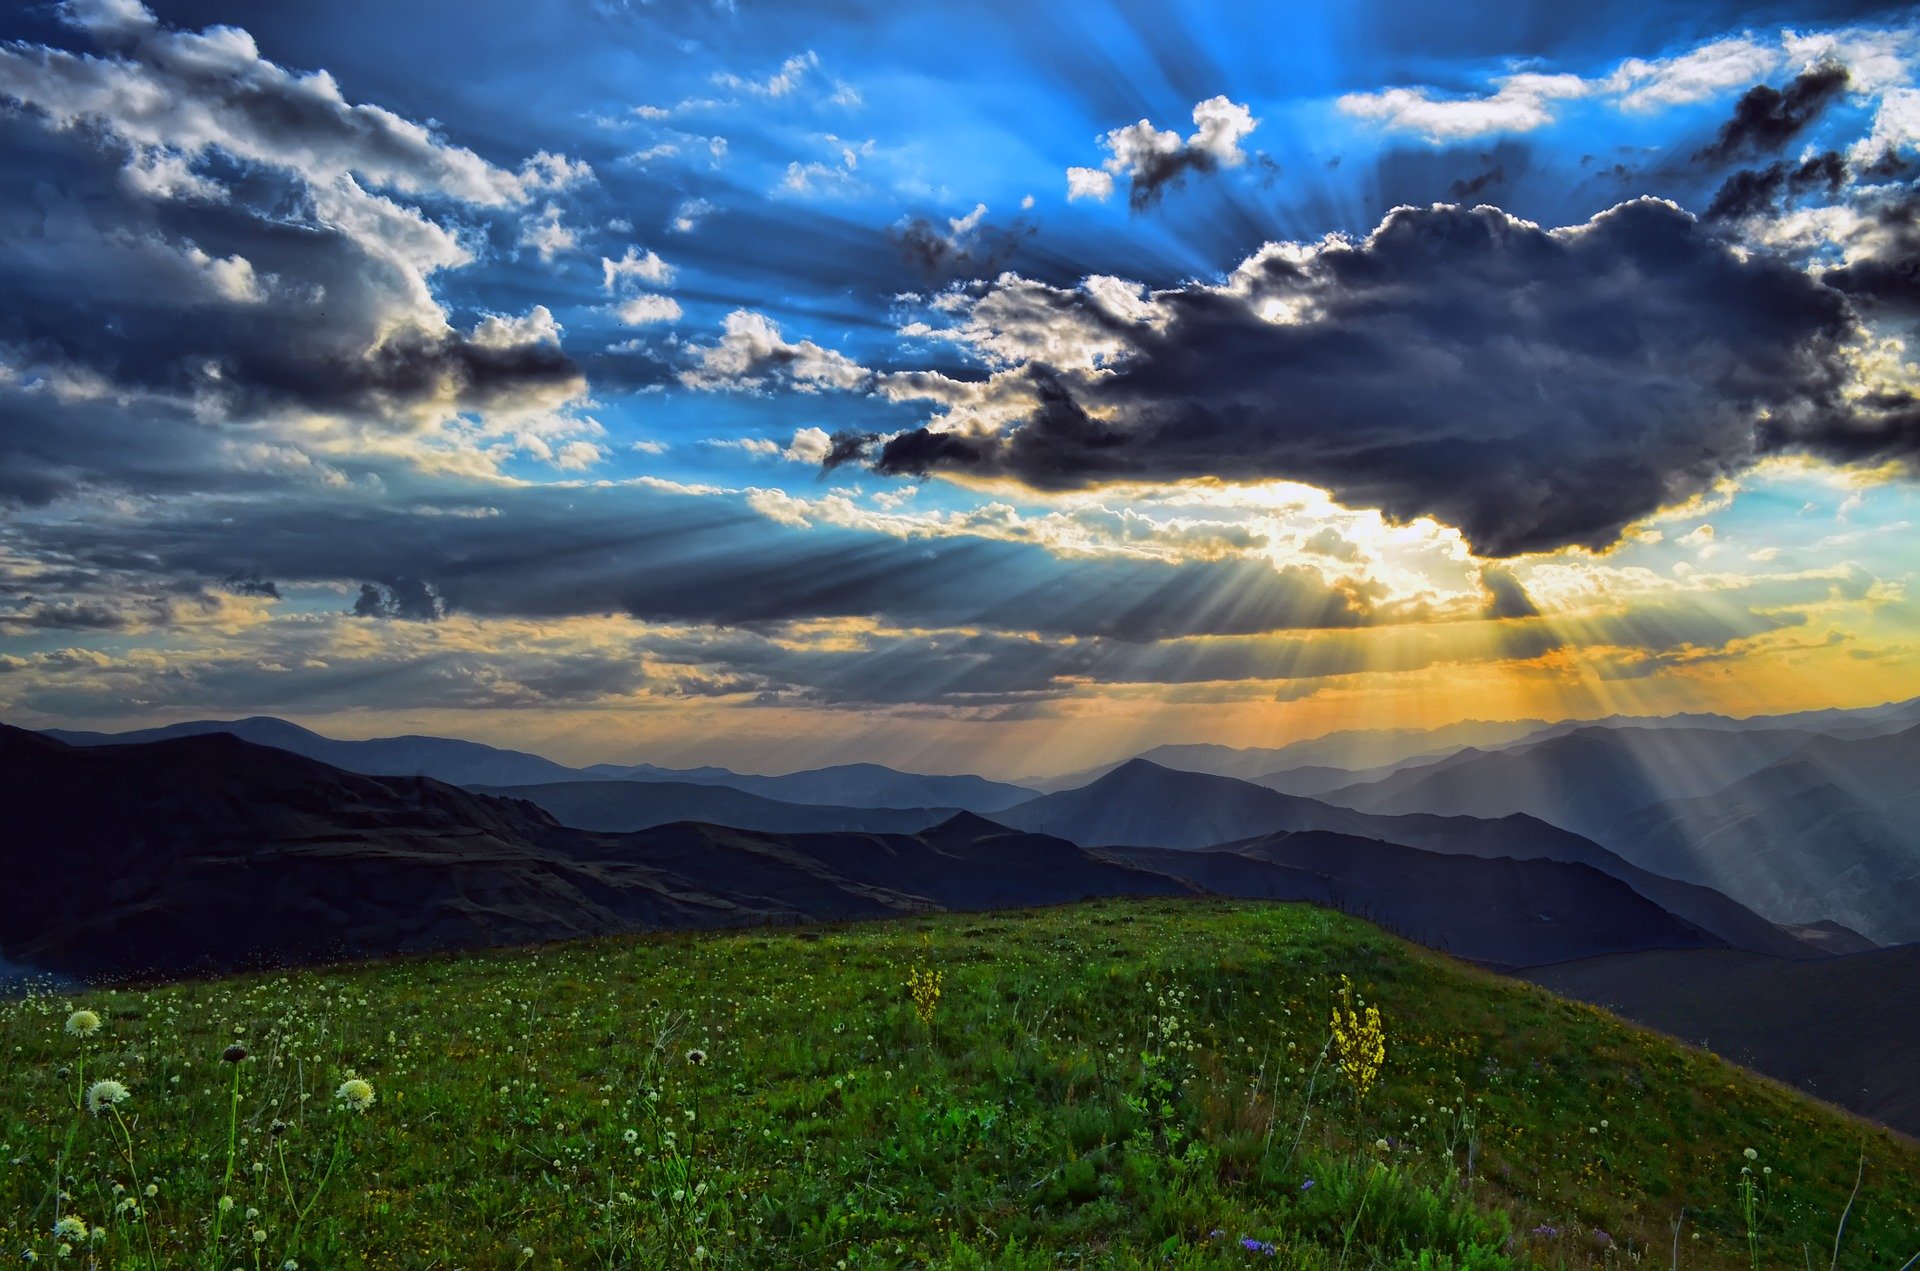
(1101, 1085)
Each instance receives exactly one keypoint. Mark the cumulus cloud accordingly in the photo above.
(635, 266)
(1152, 160)
(268, 320)
(1533, 388)
(753, 355)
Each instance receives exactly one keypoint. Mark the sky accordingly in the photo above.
(986, 387)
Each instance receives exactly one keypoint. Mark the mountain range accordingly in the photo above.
(215, 852)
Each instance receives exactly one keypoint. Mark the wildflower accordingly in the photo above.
(356, 1093)
(1359, 1040)
(70, 1228)
(1548, 1230)
(696, 1056)
(1307, 1186)
(233, 1054)
(153, 1189)
(1752, 1155)
(104, 1094)
(226, 1204)
(83, 1023)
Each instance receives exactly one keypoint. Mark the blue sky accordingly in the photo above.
(460, 367)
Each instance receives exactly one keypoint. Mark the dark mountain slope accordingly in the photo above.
(1142, 804)
(442, 758)
(1503, 912)
(207, 852)
(1844, 1028)
(626, 806)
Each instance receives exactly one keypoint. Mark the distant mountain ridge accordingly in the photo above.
(215, 852)
(1142, 804)
(469, 763)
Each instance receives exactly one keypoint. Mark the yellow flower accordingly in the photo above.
(1359, 1040)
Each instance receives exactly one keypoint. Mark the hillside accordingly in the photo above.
(1118, 1084)
(1142, 804)
(1841, 1027)
(621, 806)
(447, 759)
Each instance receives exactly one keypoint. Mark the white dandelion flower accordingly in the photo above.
(102, 1095)
(83, 1023)
(356, 1093)
(70, 1228)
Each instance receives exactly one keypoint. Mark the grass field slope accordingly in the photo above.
(1185, 1083)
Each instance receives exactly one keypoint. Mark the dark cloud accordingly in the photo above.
(966, 249)
(1883, 272)
(1758, 191)
(1506, 598)
(1765, 118)
(405, 598)
(1466, 188)
(190, 258)
(1534, 388)
(557, 553)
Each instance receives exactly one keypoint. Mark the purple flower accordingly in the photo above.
(1215, 1234)
(1307, 1186)
(1548, 1230)
(1256, 1246)
(1601, 1238)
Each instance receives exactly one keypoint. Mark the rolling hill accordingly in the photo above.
(1842, 1028)
(1141, 804)
(467, 763)
(621, 806)
(727, 1100)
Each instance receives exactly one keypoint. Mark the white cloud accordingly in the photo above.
(1150, 157)
(752, 353)
(1089, 183)
(634, 266)
(781, 83)
(548, 234)
(1520, 104)
(643, 309)
(1708, 71)
(688, 215)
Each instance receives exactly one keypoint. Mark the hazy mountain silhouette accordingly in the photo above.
(1141, 804)
(1586, 780)
(214, 852)
(442, 758)
(468, 763)
(1832, 831)
(623, 806)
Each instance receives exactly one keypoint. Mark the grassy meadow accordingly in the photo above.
(1115, 1084)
